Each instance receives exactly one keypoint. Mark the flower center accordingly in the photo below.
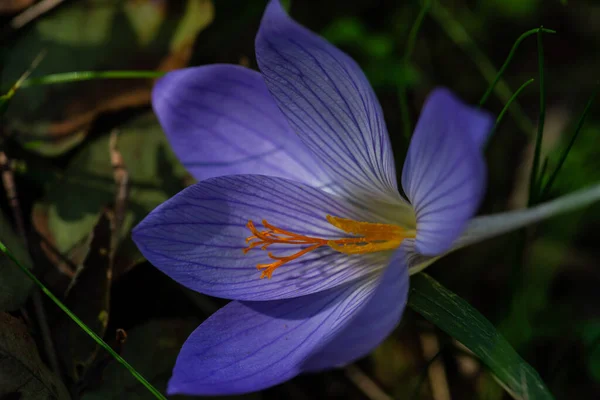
(372, 237)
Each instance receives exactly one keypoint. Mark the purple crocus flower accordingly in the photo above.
(320, 218)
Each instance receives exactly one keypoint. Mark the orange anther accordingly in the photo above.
(373, 237)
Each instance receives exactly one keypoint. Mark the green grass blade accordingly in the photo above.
(458, 34)
(83, 326)
(410, 46)
(461, 321)
(535, 179)
(508, 104)
(524, 36)
(91, 75)
(565, 153)
(510, 101)
(414, 31)
(5, 98)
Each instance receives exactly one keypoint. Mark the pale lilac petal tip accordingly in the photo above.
(444, 173)
(329, 103)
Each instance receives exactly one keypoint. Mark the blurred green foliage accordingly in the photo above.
(512, 8)
(154, 176)
(385, 66)
(95, 35)
(582, 165)
(14, 285)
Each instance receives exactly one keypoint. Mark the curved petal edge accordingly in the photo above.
(221, 120)
(249, 346)
(372, 324)
(444, 173)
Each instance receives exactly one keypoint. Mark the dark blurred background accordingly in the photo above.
(538, 287)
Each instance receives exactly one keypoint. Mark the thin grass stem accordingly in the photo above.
(567, 150)
(79, 76)
(410, 46)
(535, 179)
(83, 326)
(524, 36)
(510, 101)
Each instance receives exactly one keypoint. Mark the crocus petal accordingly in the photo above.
(416, 261)
(372, 324)
(476, 123)
(248, 346)
(197, 238)
(444, 171)
(329, 103)
(222, 120)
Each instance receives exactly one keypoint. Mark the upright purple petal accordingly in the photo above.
(329, 103)
(444, 173)
(197, 238)
(372, 324)
(248, 346)
(477, 123)
(222, 120)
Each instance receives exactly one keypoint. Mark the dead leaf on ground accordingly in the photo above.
(70, 208)
(88, 297)
(165, 338)
(96, 35)
(14, 284)
(22, 372)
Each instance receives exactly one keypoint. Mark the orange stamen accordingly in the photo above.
(373, 237)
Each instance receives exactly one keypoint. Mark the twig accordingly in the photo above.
(425, 373)
(8, 181)
(121, 176)
(33, 12)
(437, 373)
(365, 383)
(63, 264)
